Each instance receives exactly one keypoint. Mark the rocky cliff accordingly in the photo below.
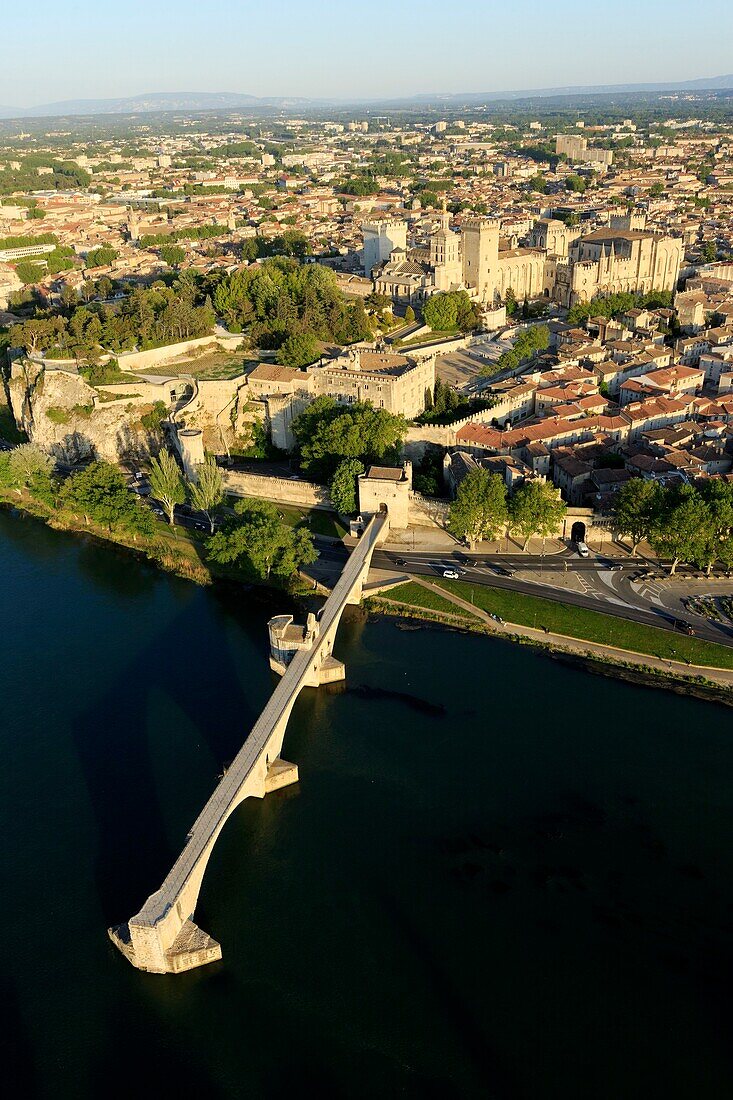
(69, 419)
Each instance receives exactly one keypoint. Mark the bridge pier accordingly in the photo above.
(288, 638)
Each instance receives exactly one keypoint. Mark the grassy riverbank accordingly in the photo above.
(564, 619)
(177, 550)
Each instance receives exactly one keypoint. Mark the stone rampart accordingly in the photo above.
(280, 489)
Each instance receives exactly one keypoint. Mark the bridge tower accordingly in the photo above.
(287, 638)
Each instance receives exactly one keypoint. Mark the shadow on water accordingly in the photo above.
(112, 740)
(371, 692)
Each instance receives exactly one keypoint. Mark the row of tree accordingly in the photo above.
(482, 509)
(530, 340)
(682, 522)
(444, 405)
(255, 537)
(147, 317)
(614, 305)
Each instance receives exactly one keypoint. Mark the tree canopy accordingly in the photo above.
(147, 317)
(99, 492)
(451, 311)
(536, 509)
(635, 508)
(280, 298)
(327, 432)
(261, 543)
(480, 508)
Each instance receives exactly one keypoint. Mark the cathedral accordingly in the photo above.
(558, 262)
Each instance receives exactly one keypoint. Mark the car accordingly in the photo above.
(582, 549)
(451, 574)
(502, 570)
(400, 561)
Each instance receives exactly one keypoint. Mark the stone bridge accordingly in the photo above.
(162, 937)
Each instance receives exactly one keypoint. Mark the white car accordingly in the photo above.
(451, 574)
(583, 550)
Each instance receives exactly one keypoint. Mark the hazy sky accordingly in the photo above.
(75, 49)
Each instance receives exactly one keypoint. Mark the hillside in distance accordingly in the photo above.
(194, 102)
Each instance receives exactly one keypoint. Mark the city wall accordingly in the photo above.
(280, 489)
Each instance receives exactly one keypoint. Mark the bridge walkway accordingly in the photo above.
(226, 795)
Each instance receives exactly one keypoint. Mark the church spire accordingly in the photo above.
(444, 216)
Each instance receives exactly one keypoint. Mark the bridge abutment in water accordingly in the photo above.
(163, 938)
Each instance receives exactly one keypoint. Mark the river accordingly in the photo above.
(498, 876)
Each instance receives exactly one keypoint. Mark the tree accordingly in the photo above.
(207, 492)
(718, 499)
(536, 509)
(409, 315)
(451, 310)
(29, 466)
(326, 432)
(480, 508)
(708, 252)
(683, 527)
(167, 484)
(575, 183)
(99, 492)
(102, 256)
(260, 541)
(635, 510)
(344, 484)
(299, 350)
(172, 254)
(69, 297)
(530, 340)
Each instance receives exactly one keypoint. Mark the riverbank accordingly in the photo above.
(174, 549)
(699, 681)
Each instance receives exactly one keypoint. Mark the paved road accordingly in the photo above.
(614, 594)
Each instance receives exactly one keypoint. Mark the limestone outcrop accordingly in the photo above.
(70, 419)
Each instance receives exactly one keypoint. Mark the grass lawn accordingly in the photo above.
(212, 365)
(327, 523)
(417, 596)
(591, 626)
(318, 520)
(428, 338)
